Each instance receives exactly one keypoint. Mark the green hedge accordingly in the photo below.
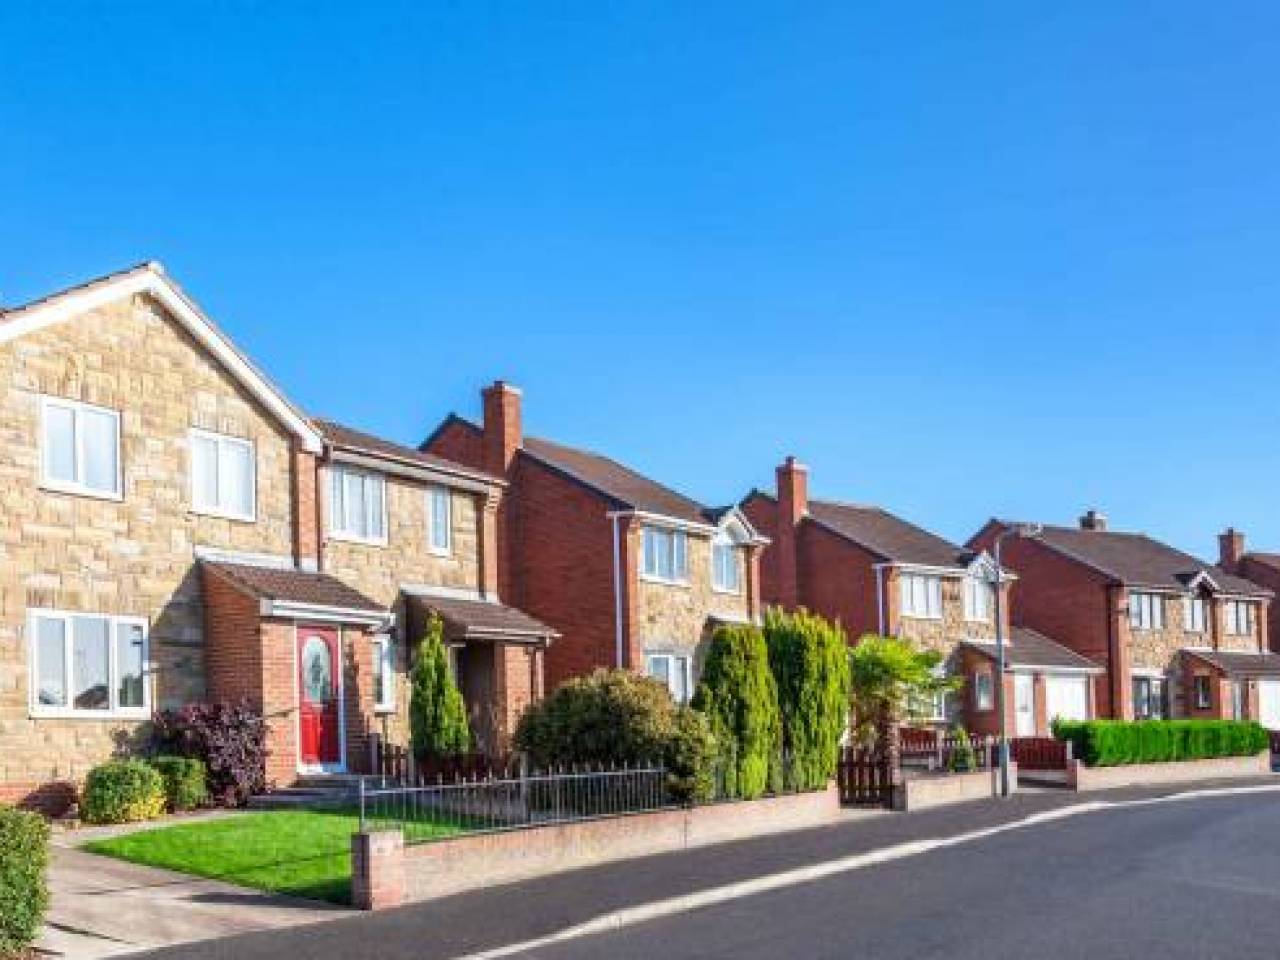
(1112, 743)
(185, 782)
(122, 791)
(24, 856)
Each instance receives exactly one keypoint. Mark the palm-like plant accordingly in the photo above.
(887, 674)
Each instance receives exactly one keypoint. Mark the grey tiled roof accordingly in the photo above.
(294, 586)
(1241, 664)
(482, 619)
(1030, 648)
(891, 537)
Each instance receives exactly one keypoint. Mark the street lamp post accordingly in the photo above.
(1027, 530)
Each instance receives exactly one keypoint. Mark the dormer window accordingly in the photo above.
(1193, 614)
(665, 554)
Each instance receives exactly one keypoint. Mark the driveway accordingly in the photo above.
(104, 908)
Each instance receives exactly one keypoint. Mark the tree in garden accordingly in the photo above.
(886, 675)
(437, 714)
(809, 659)
(739, 697)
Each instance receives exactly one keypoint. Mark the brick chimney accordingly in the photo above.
(793, 505)
(503, 433)
(1230, 549)
(1093, 520)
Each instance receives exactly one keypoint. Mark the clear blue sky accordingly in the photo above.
(962, 259)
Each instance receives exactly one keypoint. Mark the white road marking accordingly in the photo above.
(643, 913)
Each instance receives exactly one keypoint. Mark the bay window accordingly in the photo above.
(79, 448)
(87, 664)
(665, 554)
(357, 505)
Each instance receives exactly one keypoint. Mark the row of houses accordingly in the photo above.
(174, 529)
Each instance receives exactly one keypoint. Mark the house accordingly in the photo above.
(176, 529)
(879, 574)
(1177, 637)
(1260, 568)
(629, 572)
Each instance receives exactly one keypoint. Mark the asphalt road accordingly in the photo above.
(1191, 879)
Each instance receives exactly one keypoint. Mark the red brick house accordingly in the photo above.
(879, 574)
(1260, 568)
(1177, 637)
(176, 529)
(629, 572)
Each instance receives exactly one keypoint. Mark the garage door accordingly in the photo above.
(1269, 703)
(1067, 697)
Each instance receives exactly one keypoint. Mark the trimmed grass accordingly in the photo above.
(305, 853)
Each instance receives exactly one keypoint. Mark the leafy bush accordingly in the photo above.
(437, 713)
(963, 759)
(24, 897)
(690, 755)
(740, 698)
(230, 739)
(887, 675)
(185, 782)
(1110, 743)
(809, 658)
(122, 791)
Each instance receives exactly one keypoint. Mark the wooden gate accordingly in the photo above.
(865, 778)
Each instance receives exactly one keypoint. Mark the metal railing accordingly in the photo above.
(492, 805)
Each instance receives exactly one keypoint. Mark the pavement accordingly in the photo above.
(1122, 877)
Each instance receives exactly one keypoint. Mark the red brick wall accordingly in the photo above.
(1267, 576)
(762, 512)
(838, 580)
(306, 507)
(232, 642)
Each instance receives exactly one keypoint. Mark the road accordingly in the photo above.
(1196, 878)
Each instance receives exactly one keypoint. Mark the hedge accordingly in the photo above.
(1111, 743)
(185, 782)
(24, 897)
(122, 791)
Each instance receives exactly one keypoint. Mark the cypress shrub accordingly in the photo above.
(740, 699)
(1109, 743)
(122, 791)
(437, 714)
(185, 783)
(809, 658)
(963, 759)
(24, 896)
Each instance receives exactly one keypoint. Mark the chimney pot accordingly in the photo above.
(1093, 520)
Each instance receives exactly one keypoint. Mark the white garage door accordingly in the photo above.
(1067, 697)
(1269, 703)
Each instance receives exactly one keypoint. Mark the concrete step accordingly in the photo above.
(303, 796)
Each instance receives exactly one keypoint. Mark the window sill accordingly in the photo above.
(384, 709)
(361, 541)
(663, 581)
(922, 616)
(86, 492)
(725, 592)
(219, 515)
(445, 554)
(55, 713)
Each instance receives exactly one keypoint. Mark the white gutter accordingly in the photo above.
(617, 590)
(313, 611)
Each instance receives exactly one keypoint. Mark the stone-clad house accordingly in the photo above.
(1177, 637)
(630, 573)
(879, 574)
(167, 536)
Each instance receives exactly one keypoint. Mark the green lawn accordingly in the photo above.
(303, 853)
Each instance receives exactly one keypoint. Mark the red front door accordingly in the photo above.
(319, 736)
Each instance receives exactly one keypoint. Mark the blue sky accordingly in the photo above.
(962, 259)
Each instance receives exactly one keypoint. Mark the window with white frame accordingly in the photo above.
(357, 504)
(1150, 700)
(983, 691)
(978, 599)
(1239, 617)
(921, 595)
(440, 520)
(673, 670)
(87, 664)
(724, 564)
(79, 448)
(384, 676)
(223, 475)
(1146, 611)
(1193, 613)
(1202, 686)
(665, 554)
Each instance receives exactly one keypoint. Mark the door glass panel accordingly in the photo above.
(317, 671)
(90, 653)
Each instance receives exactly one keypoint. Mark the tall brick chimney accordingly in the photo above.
(793, 505)
(1093, 520)
(503, 433)
(1230, 549)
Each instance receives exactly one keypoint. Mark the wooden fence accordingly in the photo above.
(865, 778)
(1040, 753)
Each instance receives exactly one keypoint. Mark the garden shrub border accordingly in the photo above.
(1112, 743)
(24, 893)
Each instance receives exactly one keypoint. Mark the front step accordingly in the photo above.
(311, 790)
(329, 781)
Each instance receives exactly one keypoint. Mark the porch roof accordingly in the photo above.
(478, 619)
(298, 590)
(1029, 649)
(1236, 664)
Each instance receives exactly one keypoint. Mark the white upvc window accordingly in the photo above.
(80, 448)
(1239, 616)
(978, 599)
(1193, 614)
(224, 475)
(665, 554)
(87, 665)
(357, 505)
(440, 520)
(984, 697)
(384, 675)
(674, 670)
(1146, 611)
(921, 595)
(725, 575)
